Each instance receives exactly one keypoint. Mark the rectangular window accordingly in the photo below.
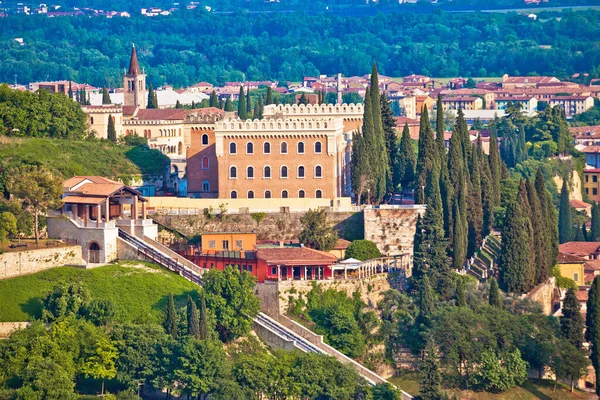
(249, 268)
(586, 178)
(576, 277)
(587, 191)
(274, 271)
(238, 244)
(595, 178)
(212, 244)
(225, 244)
(594, 191)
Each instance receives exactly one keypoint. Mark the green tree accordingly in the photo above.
(494, 296)
(111, 132)
(230, 296)
(101, 363)
(152, 99)
(569, 362)
(551, 223)
(515, 260)
(540, 238)
(64, 301)
(70, 92)
(474, 206)
(193, 319)
(269, 99)
(426, 303)
(595, 233)
(427, 157)
(105, 96)
(8, 226)
(359, 167)
(565, 223)
(385, 391)
(178, 105)
(431, 377)
(317, 232)
(461, 300)
(170, 322)
(379, 163)
(391, 143)
(571, 321)
(498, 374)
(470, 84)
(199, 366)
(592, 321)
(242, 112)
(362, 250)
(203, 324)
(36, 189)
(405, 165)
(495, 167)
(213, 101)
(303, 99)
(228, 105)
(439, 129)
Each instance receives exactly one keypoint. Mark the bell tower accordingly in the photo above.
(134, 83)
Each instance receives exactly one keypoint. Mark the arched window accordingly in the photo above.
(267, 194)
(284, 194)
(284, 172)
(232, 148)
(233, 194)
(250, 194)
(284, 148)
(205, 186)
(318, 171)
(267, 172)
(205, 139)
(301, 194)
(319, 194)
(300, 172)
(205, 163)
(249, 148)
(318, 147)
(232, 172)
(267, 148)
(300, 147)
(250, 172)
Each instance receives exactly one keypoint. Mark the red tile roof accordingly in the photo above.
(579, 204)
(593, 265)
(582, 294)
(342, 244)
(295, 256)
(161, 114)
(585, 131)
(569, 258)
(584, 249)
(591, 171)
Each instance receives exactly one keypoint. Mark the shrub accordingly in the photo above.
(362, 250)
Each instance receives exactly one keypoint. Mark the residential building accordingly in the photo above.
(512, 82)
(586, 250)
(489, 96)
(213, 243)
(97, 118)
(421, 79)
(462, 103)
(591, 186)
(572, 104)
(586, 135)
(572, 267)
(408, 104)
(424, 101)
(414, 127)
(526, 103)
(592, 156)
(581, 206)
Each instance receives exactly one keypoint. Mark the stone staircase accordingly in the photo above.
(483, 264)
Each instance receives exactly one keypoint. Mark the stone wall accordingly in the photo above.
(392, 228)
(106, 238)
(275, 226)
(547, 294)
(18, 263)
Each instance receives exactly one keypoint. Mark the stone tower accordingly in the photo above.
(134, 83)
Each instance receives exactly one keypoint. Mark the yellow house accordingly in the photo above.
(572, 267)
(227, 241)
(339, 251)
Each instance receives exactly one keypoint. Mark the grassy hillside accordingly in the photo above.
(138, 290)
(71, 157)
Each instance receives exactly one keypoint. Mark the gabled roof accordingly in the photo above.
(579, 248)
(78, 180)
(295, 256)
(579, 204)
(569, 258)
(341, 244)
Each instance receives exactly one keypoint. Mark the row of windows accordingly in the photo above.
(283, 148)
(283, 172)
(284, 194)
(594, 178)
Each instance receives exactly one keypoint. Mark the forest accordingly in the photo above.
(184, 48)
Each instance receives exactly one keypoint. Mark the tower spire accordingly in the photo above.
(134, 66)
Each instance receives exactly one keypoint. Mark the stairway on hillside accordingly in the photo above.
(405, 359)
(483, 264)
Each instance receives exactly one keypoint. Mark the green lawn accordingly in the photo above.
(138, 290)
(530, 390)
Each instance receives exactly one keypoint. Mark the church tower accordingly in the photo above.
(134, 83)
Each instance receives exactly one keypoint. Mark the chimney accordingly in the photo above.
(339, 88)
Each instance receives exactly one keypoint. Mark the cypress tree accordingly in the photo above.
(487, 194)
(258, 109)
(461, 299)
(242, 105)
(439, 129)
(460, 233)
(228, 105)
(495, 168)
(359, 167)
(248, 104)
(152, 99)
(214, 101)
(515, 259)
(111, 132)
(193, 319)
(269, 96)
(193, 106)
(565, 223)
(457, 182)
(587, 236)
(427, 157)
(368, 143)
(204, 329)
(447, 192)
(78, 97)
(178, 105)
(303, 99)
(571, 322)
(406, 160)
(70, 91)
(221, 104)
(380, 164)
(540, 238)
(431, 378)
(426, 305)
(170, 322)
(494, 298)
(391, 144)
(595, 233)
(474, 206)
(105, 96)
(592, 333)
(579, 235)
(551, 223)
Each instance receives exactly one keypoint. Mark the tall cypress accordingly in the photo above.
(565, 223)
(459, 232)
(439, 129)
(494, 298)
(461, 299)
(406, 160)
(592, 333)
(431, 377)
(380, 164)
(474, 206)
(427, 157)
(515, 259)
(426, 303)
(204, 329)
(391, 143)
(248, 104)
(170, 322)
(551, 223)
(178, 105)
(193, 319)
(303, 99)
(487, 200)
(540, 237)
(213, 101)
(595, 233)
(152, 99)
(457, 181)
(70, 93)
(359, 166)
(221, 104)
(111, 132)
(105, 96)
(228, 105)
(242, 114)
(571, 321)
(495, 167)
(368, 141)
(269, 96)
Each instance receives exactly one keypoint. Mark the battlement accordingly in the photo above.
(346, 110)
(280, 125)
(103, 109)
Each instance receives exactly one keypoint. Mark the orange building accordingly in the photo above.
(227, 241)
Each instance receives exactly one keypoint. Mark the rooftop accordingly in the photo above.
(295, 256)
(579, 248)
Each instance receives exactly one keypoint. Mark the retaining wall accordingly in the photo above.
(25, 262)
